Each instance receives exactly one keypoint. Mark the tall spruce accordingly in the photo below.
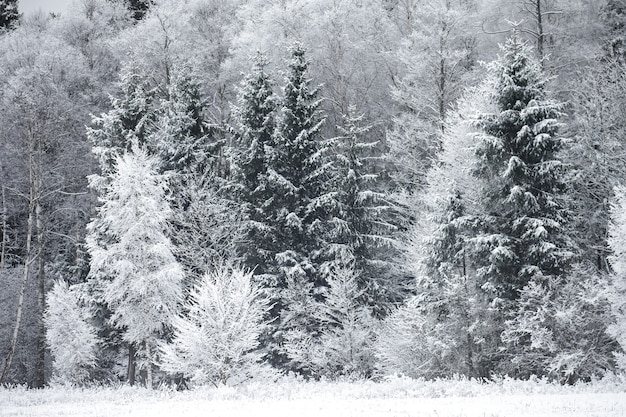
(296, 211)
(185, 140)
(255, 116)
(521, 236)
(362, 232)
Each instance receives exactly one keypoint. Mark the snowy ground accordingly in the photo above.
(396, 397)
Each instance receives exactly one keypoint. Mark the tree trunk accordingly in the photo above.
(3, 250)
(40, 377)
(148, 365)
(130, 375)
(540, 34)
(27, 262)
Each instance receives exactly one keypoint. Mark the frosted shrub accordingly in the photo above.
(216, 340)
(70, 336)
(343, 347)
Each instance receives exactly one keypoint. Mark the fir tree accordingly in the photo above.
(9, 15)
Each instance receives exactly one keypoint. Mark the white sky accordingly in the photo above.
(29, 6)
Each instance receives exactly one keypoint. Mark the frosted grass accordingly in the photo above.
(290, 397)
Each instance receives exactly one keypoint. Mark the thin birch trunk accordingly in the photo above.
(27, 262)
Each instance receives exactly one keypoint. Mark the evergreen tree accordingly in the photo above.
(9, 14)
(296, 212)
(184, 138)
(137, 276)
(521, 235)
(138, 8)
(256, 123)
(127, 122)
(363, 233)
(614, 16)
(441, 331)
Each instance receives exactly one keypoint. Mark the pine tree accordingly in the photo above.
(9, 15)
(129, 248)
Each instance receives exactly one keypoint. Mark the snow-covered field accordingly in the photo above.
(394, 397)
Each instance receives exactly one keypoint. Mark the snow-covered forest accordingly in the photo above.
(219, 192)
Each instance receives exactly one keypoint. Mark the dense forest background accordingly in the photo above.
(208, 191)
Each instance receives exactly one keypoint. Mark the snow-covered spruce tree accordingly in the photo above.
(521, 237)
(204, 225)
(183, 137)
(296, 210)
(70, 335)
(344, 347)
(136, 274)
(255, 115)
(613, 14)
(439, 332)
(216, 341)
(127, 122)
(361, 231)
